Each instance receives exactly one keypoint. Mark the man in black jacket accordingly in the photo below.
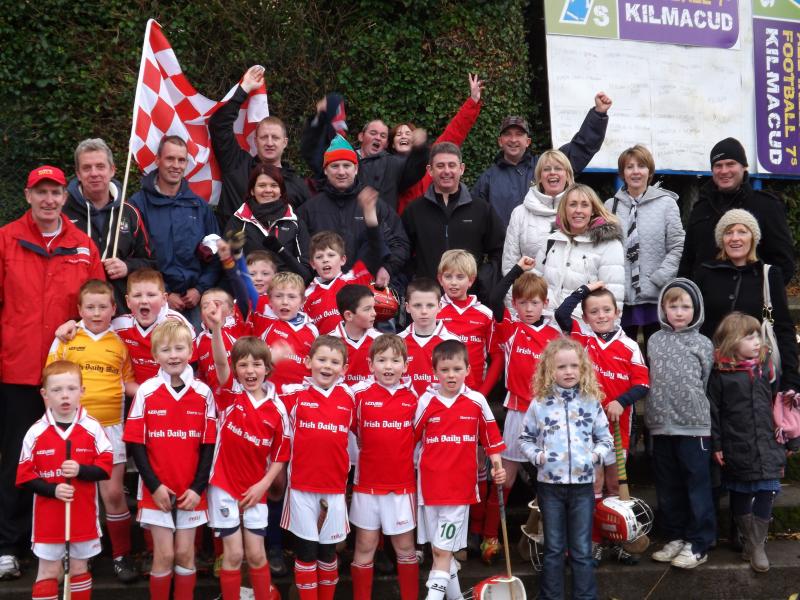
(337, 208)
(730, 188)
(388, 173)
(236, 163)
(447, 217)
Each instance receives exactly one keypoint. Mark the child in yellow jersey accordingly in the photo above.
(107, 377)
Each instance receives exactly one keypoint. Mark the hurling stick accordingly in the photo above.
(639, 545)
(502, 505)
(67, 534)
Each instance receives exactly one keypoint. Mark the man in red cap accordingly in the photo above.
(44, 260)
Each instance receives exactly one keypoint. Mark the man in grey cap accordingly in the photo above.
(506, 182)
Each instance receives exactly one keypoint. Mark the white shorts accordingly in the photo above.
(611, 457)
(391, 513)
(114, 434)
(444, 526)
(79, 550)
(187, 519)
(301, 511)
(512, 429)
(223, 511)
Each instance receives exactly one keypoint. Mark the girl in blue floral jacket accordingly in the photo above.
(565, 434)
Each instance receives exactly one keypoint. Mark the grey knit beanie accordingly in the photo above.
(734, 216)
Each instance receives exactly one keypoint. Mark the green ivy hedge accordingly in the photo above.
(68, 69)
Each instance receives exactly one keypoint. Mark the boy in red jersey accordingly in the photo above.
(451, 420)
(55, 477)
(252, 447)
(384, 487)
(356, 304)
(262, 266)
(425, 332)
(327, 258)
(171, 430)
(621, 373)
(147, 299)
(472, 323)
(288, 332)
(523, 339)
(321, 413)
(104, 359)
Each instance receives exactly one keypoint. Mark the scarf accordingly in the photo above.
(268, 213)
(632, 246)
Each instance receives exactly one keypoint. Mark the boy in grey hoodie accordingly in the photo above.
(679, 419)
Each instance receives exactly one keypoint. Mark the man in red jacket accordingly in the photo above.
(44, 260)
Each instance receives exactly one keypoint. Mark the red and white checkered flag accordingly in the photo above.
(167, 104)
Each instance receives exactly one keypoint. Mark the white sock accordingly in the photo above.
(437, 585)
(179, 570)
(453, 586)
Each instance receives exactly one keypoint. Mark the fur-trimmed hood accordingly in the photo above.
(600, 230)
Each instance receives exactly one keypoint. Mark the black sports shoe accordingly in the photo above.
(277, 563)
(125, 570)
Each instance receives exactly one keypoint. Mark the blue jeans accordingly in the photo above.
(681, 469)
(567, 513)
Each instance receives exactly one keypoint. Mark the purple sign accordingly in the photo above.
(776, 47)
(711, 23)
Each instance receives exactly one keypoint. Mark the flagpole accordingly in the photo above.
(130, 138)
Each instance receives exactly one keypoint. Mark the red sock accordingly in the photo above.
(305, 577)
(230, 582)
(261, 580)
(477, 512)
(362, 581)
(327, 578)
(491, 521)
(46, 589)
(159, 585)
(148, 540)
(119, 532)
(408, 576)
(184, 583)
(80, 587)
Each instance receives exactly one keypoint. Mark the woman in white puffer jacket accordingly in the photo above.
(585, 247)
(533, 220)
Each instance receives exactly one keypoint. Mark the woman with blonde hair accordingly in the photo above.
(585, 246)
(533, 220)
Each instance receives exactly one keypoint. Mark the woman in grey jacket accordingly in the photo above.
(651, 225)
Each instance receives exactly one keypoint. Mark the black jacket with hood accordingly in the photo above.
(134, 247)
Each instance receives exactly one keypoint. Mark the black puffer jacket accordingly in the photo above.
(741, 422)
(776, 246)
(237, 163)
(726, 287)
(339, 211)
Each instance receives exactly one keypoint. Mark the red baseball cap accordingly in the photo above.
(46, 172)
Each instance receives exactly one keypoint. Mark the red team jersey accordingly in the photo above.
(320, 421)
(420, 355)
(258, 318)
(449, 430)
(252, 435)
(172, 426)
(472, 323)
(43, 452)
(357, 354)
(384, 426)
(522, 347)
(320, 305)
(137, 340)
(618, 364)
(292, 369)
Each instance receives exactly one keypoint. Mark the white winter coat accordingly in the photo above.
(531, 222)
(575, 261)
(660, 240)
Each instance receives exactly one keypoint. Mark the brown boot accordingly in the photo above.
(758, 556)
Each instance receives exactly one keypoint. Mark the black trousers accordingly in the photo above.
(20, 407)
